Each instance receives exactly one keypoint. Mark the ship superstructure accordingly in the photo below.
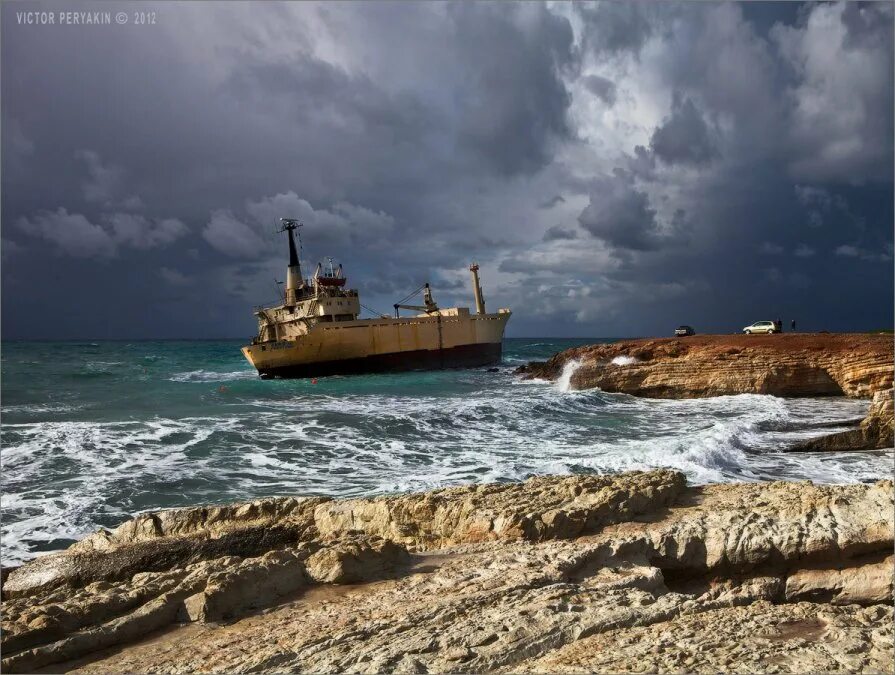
(317, 331)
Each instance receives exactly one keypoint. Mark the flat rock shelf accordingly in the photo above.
(632, 572)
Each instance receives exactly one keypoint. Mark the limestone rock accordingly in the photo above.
(356, 559)
(559, 574)
(717, 365)
(536, 510)
(249, 584)
(206, 521)
(759, 638)
(878, 426)
(865, 584)
(171, 538)
(874, 431)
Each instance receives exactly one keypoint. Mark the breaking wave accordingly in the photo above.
(564, 381)
(211, 376)
(92, 454)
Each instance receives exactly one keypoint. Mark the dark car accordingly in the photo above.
(684, 331)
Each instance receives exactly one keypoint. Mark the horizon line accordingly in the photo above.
(517, 337)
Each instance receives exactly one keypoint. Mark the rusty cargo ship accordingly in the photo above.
(317, 329)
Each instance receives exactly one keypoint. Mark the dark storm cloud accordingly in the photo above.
(615, 26)
(684, 137)
(620, 215)
(602, 88)
(615, 167)
(553, 201)
(558, 232)
(841, 55)
(310, 92)
(821, 205)
(515, 103)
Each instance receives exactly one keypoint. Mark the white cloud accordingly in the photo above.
(132, 203)
(850, 251)
(253, 238)
(338, 115)
(141, 232)
(173, 277)
(229, 235)
(105, 184)
(804, 251)
(102, 180)
(343, 222)
(73, 234)
(842, 59)
(70, 233)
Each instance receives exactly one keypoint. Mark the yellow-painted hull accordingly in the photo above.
(382, 345)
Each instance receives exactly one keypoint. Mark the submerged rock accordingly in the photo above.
(548, 574)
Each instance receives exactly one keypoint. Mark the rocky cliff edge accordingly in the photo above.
(789, 365)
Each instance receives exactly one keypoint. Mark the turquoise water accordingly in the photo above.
(95, 432)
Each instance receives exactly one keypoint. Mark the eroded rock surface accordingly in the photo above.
(856, 365)
(874, 431)
(565, 573)
(716, 365)
(760, 638)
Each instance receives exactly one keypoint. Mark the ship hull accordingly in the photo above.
(465, 356)
(454, 339)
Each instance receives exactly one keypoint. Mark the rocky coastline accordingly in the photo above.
(542, 575)
(788, 365)
(626, 573)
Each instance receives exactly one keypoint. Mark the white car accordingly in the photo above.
(761, 327)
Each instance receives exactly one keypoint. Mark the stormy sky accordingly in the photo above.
(616, 169)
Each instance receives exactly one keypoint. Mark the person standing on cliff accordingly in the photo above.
(778, 324)
(792, 325)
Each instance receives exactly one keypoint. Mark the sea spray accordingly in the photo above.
(564, 383)
(156, 432)
(624, 361)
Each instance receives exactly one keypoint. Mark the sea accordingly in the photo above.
(93, 433)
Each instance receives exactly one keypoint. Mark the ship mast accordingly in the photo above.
(477, 289)
(294, 281)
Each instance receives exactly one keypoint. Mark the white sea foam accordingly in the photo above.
(42, 408)
(213, 376)
(62, 479)
(624, 361)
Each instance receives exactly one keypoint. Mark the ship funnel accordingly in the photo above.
(477, 289)
(294, 282)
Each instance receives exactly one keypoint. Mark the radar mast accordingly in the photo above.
(294, 280)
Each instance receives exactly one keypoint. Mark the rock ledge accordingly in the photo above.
(554, 573)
